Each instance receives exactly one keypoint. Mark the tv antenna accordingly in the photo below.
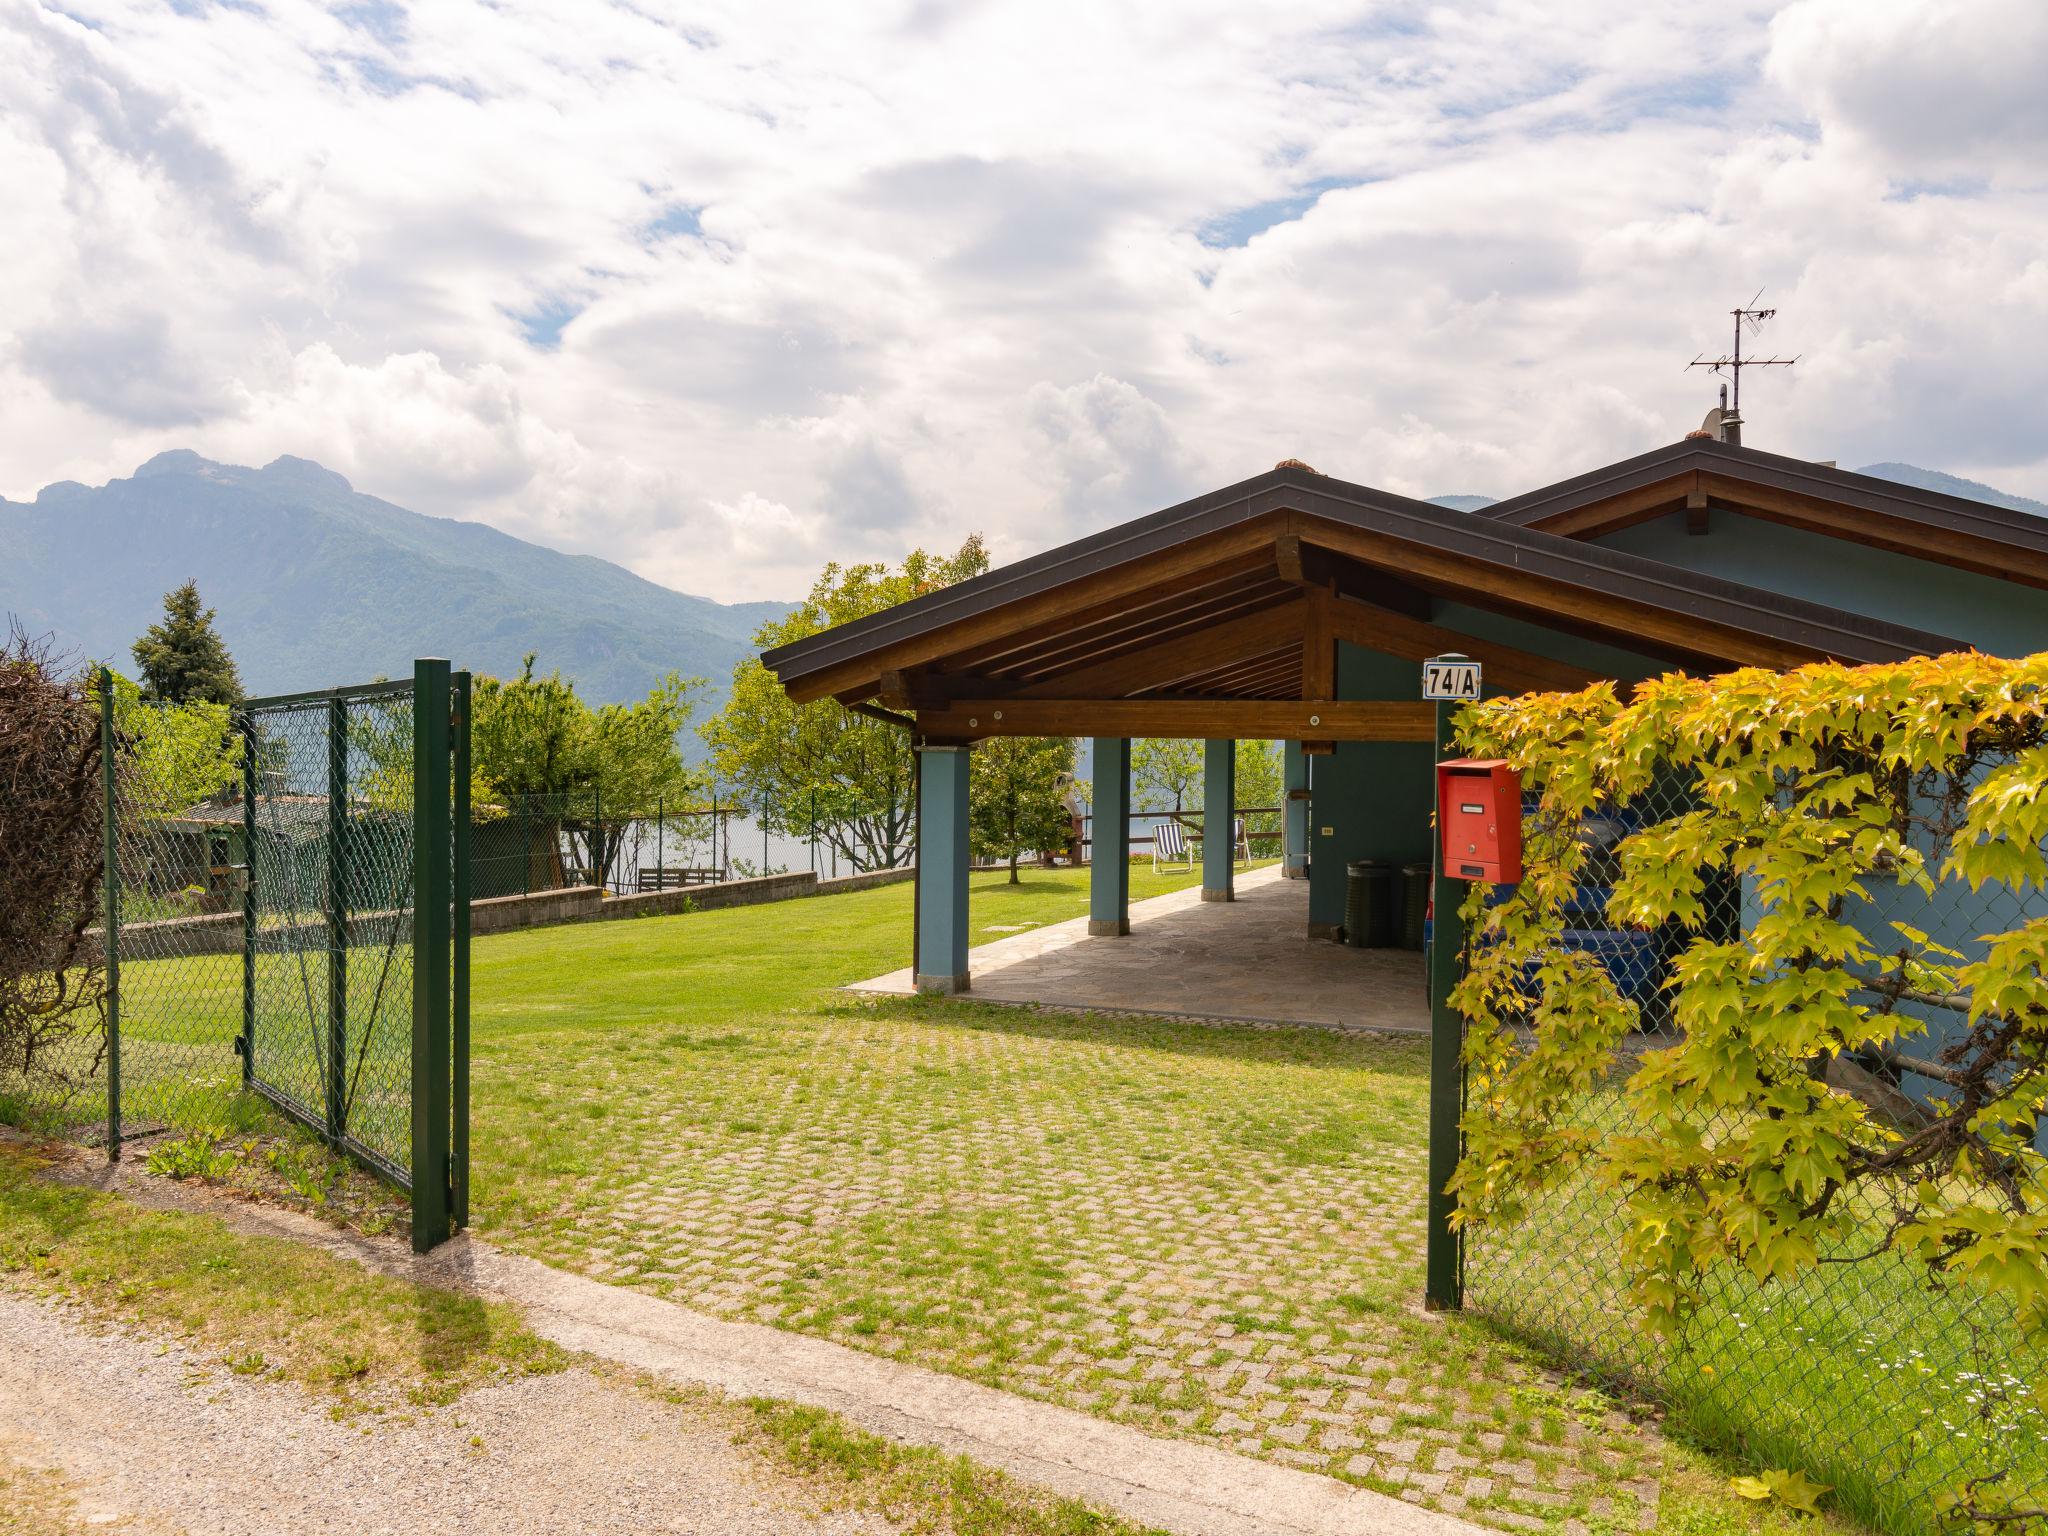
(1752, 317)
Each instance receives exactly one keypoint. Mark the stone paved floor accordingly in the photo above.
(1248, 959)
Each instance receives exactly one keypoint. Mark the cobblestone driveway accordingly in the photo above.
(1209, 1230)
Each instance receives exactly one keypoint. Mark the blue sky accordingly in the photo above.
(727, 290)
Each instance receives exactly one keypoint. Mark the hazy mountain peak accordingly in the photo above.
(174, 461)
(291, 470)
(318, 585)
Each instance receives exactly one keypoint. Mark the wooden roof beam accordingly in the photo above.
(1311, 565)
(1185, 718)
(1622, 510)
(1575, 609)
(1245, 546)
(1176, 657)
(1395, 634)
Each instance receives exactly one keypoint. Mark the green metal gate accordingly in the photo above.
(344, 845)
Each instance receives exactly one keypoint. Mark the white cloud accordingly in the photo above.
(728, 297)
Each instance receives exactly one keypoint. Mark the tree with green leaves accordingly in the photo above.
(538, 746)
(1016, 788)
(1166, 774)
(1258, 785)
(182, 658)
(818, 769)
(172, 757)
(1767, 1135)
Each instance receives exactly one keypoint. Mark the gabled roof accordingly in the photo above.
(1220, 550)
(1952, 530)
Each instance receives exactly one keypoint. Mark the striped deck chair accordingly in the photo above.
(1170, 846)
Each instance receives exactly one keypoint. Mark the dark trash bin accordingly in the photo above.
(1369, 904)
(1415, 883)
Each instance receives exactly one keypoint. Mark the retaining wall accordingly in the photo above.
(220, 933)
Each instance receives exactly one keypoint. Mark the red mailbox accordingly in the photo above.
(1479, 816)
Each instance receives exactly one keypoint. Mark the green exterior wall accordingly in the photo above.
(2000, 617)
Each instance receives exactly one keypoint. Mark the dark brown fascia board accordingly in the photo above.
(1476, 536)
(1886, 498)
(1034, 574)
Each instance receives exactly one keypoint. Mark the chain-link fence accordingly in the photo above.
(527, 843)
(1890, 1382)
(272, 930)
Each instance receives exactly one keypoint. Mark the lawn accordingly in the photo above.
(1202, 1230)
(1206, 1231)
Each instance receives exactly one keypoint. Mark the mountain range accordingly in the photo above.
(318, 584)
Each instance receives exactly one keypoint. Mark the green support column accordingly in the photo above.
(1109, 855)
(942, 870)
(110, 916)
(1444, 1265)
(1294, 811)
(337, 921)
(1219, 808)
(432, 938)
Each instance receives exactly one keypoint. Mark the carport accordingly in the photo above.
(1293, 607)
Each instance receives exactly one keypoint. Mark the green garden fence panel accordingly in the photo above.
(1860, 1371)
(259, 929)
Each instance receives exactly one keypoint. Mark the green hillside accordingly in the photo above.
(317, 584)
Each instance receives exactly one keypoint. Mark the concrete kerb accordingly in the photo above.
(1180, 1486)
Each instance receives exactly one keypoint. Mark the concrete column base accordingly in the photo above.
(1293, 871)
(1210, 893)
(941, 986)
(1108, 927)
(1325, 931)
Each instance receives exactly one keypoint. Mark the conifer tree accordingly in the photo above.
(183, 658)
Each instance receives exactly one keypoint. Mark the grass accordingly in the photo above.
(918, 1487)
(1881, 1382)
(268, 1308)
(263, 1306)
(1213, 1232)
(36, 1502)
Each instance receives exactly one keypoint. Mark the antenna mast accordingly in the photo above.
(1748, 315)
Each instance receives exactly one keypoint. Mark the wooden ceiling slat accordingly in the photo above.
(1175, 655)
(1108, 640)
(1222, 573)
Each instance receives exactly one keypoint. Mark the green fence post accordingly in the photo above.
(110, 920)
(1444, 1265)
(337, 919)
(248, 899)
(431, 869)
(459, 993)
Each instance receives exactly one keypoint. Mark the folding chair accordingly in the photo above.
(1170, 846)
(1240, 844)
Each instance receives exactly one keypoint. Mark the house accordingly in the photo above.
(1296, 606)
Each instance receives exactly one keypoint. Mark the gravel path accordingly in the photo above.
(159, 1440)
